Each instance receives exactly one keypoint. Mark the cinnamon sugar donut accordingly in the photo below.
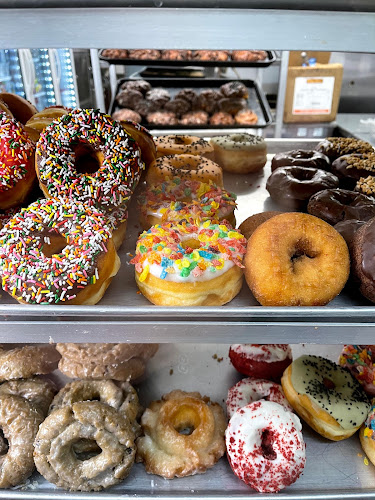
(26, 361)
(183, 144)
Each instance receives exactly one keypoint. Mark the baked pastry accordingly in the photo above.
(301, 158)
(183, 144)
(144, 54)
(333, 147)
(363, 252)
(158, 96)
(232, 105)
(21, 109)
(248, 226)
(221, 119)
(128, 98)
(211, 55)
(38, 122)
(139, 85)
(246, 117)
(234, 90)
(248, 55)
(176, 55)
(194, 118)
(162, 118)
(359, 360)
(127, 114)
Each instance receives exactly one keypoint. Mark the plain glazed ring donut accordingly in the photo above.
(183, 144)
(184, 435)
(265, 446)
(27, 361)
(296, 259)
(37, 391)
(57, 461)
(57, 251)
(186, 167)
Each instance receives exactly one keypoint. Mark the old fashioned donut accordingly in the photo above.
(19, 422)
(359, 360)
(265, 446)
(363, 253)
(38, 122)
(292, 187)
(92, 421)
(301, 158)
(183, 144)
(367, 435)
(333, 147)
(21, 109)
(27, 361)
(296, 259)
(57, 251)
(240, 153)
(186, 264)
(184, 435)
(248, 226)
(184, 166)
(264, 361)
(336, 205)
(350, 168)
(326, 396)
(249, 390)
(17, 171)
(37, 391)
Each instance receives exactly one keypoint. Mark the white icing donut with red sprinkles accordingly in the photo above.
(265, 446)
(249, 390)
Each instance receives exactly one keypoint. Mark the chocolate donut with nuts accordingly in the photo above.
(334, 147)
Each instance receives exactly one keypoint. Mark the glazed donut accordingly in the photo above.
(248, 55)
(183, 144)
(17, 172)
(359, 360)
(246, 117)
(19, 422)
(266, 361)
(87, 156)
(162, 118)
(249, 390)
(296, 259)
(336, 205)
(292, 187)
(127, 114)
(27, 361)
(363, 252)
(347, 229)
(265, 446)
(301, 158)
(190, 265)
(221, 118)
(211, 55)
(333, 147)
(170, 452)
(367, 434)
(143, 138)
(240, 153)
(144, 54)
(194, 118)
(326, 396)
(38, 122)
(21, 109)
(350, 168)
(37, 391)
(234, 89)
(186, 167)
(176, 55)
(54, 453)
(57, 251)
(248, 226)
(105, 361)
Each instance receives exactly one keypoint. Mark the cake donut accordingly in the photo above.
(333, 147)
(183, 144)
(326, 396)
(188, 264)
(248, 226)
(367, 434)
(87, 156)
(184, 435)
(240, 153)
(359, 360)
(363, 252)
(265, 446)
(266, 361)
(27, 361)
(17, 171)
(296, 259)
(249, 390)
(184, 166)
(57, 251)
(301, 158)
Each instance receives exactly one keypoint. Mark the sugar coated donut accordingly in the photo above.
(367, 434)
(188, 264)
(359, 360)
(57, 251)
(240, 153)
(87, 156)
(333, 147)
(17, 171)
(266, 361)
(21, 109)
(183, 144)
(265, 446)
(296, 259)
(326, 396)
(301, 158)
(184, 166)
(249, 390)
(184, 435)
(27, 361)
(248, 226)
(37, 391)
(363, 252)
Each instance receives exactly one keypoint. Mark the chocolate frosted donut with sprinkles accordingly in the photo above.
(57, 251)
(88, 156)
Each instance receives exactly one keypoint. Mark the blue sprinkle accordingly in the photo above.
(164, 262)
(205, 254)
(163, 274)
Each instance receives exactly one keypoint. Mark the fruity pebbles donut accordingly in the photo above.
(360, 361)
(57, 251)
(189, 264)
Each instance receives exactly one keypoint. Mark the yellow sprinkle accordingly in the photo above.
(235, 234)
(221, 264)
(207, 224)
(223, 228)
(367, 432)
(163, 210)
(179, 263)
(185, 263)
(167, 251)
(203, 237)
(14, 292)
(195, 255)
(365, 461)
(144, 273)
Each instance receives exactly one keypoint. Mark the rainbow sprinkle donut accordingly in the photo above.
(57, 251)
(190, 264)
(17, 172)
(87, 156)
(360, 361)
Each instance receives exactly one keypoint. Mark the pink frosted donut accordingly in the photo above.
(249, 390)
(261, 360)
(265, 446)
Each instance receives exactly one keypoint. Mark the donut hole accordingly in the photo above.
(4, 444)
(54, 243)
(192, 243)
(84, 449)
(302, 250)
(266, 445)
(87, 160)
(185, 420)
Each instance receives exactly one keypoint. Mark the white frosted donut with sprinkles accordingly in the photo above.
(87, 156)
(249, 390)
(189, 264)
(265, 446)
(57, 251)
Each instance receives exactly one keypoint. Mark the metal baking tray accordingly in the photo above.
(124, 315)
(271, 57)
(257, 101)
(334, 470)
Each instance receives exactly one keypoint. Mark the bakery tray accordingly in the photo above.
(334, 470)
(124, 315)
(271, 58)
(257, 101)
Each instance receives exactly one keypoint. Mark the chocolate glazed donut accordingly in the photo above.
(350, 168)
(301, 158)
(336, 205)
(363, 263)
(293, 186)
